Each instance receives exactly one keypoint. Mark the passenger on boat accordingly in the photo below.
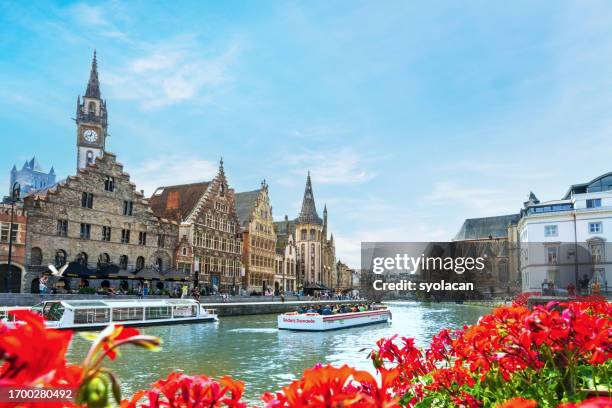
(326, 310)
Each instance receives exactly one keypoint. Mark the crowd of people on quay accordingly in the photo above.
(335, 309)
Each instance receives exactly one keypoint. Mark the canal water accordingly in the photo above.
(250, 348)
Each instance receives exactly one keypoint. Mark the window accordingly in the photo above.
(303, 235)
(87, 200)
(128, 208)
(595, 227)
(60, 258)
(551, 230)
(82, 258)
(184, 251)
(101, 315)
(142, 238)
(92, 108)
(139, 263)
(160, 240)
(159, 264)
(597, 252)
(85, 231)
(123, 261)
(89, 157)
(312, 234)
(127, 313)
(106, 233)
(552, 255)
(103, 259)
(125, 236)
(62, 228)
(109, 184)
(158, 312)
(593, 203)
(4, 231)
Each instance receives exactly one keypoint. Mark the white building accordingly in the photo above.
(565, 241)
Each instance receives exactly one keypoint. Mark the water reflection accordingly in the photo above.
(252, 349)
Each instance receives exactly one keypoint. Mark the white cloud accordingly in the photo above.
(342, 166)
(485, 201)
(171, 73)
(172, 170)
(94, 18)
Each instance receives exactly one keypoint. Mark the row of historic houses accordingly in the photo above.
(98, 231)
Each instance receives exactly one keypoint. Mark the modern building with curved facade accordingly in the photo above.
(567, 241)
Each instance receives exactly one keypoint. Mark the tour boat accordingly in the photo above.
(317, 322)
(93, 314)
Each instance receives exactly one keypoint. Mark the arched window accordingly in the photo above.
(159, 264)
(109, 184)
(303, 234)
(303, 254)
(503, 271)
(123, 261)
(36, 256)
(103, 259)
(89, 157)
(140, 263)
(312, 234)
(92, 107)
(81, 258)
(60, 258)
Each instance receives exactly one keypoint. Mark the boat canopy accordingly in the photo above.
(73, 304)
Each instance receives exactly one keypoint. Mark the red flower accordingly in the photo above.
(331, 387)
(181, 390)
(519, 402)
(31, 351)
(598, 402)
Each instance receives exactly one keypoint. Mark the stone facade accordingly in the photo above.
(96, 219)
(15, 279)
(495, 239)
(209, 230)
(286, 267)
(316, 254)
(259, 239)
(344, 278)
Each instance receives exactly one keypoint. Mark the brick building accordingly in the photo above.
(259, 240)
(210, 241)
(97, 222)
(16, 277)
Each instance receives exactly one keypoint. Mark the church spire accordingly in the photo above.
(309, 215)
(93, 86)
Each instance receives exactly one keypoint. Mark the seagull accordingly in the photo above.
(55, 272)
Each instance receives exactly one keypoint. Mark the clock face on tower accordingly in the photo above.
(90, 135)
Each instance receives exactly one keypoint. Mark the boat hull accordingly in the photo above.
(143, 323)
(316, 322)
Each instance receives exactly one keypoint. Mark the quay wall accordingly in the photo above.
(235, 306)
(253, 308)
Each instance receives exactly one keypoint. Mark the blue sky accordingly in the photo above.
(411, 116)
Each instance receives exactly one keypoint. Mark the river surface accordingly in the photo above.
(252, 349)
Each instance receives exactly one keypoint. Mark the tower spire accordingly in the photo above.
(93, 86)
(308, 214)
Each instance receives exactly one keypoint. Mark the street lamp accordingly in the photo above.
(15, 191)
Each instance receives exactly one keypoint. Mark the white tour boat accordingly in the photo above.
(317, 322)
(92, 314)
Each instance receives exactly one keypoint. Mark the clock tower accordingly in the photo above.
(91, 120)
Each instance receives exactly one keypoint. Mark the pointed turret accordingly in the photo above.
(325, 221)
(93, 86)
(52, 171)
(308, 214)
(14, 169)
